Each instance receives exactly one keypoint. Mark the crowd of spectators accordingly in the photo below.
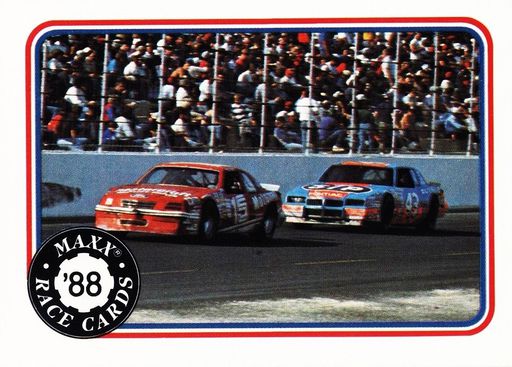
(362, 100)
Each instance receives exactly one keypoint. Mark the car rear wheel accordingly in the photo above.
(428, 224)
(267, 227)
(208, 224)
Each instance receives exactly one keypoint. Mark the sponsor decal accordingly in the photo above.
(139, 196)
(144, 190)
(318, 194)
(293, 210)
(83, 282)
(261, 200)
(355, 214)
(346, 188)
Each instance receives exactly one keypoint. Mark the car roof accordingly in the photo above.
(197, 165)
(367, 164)
(373, 164)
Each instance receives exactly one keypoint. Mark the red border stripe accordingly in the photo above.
(290, 22)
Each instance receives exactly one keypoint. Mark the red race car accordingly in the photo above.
(192, 198)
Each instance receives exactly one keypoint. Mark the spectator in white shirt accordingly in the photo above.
(308, 109)
(136, 74)
(76, 96)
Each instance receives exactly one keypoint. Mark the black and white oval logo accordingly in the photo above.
(83, 282)
(338, 187)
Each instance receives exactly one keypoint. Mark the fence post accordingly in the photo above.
(395, 95)
(264, 97)
(103, 93)
(160, 100)
(354, 92)
(214, 93)
(310, 92)
(436, 95)
(44, 68)
(471, 93)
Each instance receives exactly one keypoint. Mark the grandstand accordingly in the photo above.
(330, 92)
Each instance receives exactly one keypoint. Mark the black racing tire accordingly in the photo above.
(208, 223)
(428, 224)
(266, 228)
(387, 211)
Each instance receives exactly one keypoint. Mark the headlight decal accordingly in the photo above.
(296, 199)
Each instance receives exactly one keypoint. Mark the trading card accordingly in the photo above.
(313, 177)
(260, 178)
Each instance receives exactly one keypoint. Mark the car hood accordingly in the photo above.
(150, 191)
(333, 190)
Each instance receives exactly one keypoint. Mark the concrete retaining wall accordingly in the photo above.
(94, 173)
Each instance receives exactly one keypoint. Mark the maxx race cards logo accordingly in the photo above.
(83, 282)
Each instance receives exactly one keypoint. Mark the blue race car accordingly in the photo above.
(367, 193)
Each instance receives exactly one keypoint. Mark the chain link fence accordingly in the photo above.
(309, 93)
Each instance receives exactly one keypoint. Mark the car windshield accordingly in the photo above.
(358, 174)
(182, 176)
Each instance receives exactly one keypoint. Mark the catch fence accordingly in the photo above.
(327, 92)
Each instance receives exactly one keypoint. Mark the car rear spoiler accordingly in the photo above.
(270, 187)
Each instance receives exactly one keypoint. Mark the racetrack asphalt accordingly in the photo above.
(311, 274)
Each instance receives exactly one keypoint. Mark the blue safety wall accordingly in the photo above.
(94, 173)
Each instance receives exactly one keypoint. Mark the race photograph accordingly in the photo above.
(317, 177)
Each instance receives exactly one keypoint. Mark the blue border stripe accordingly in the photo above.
(355, 325)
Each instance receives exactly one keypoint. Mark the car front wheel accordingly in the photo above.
(386, 213)
(208, 224)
